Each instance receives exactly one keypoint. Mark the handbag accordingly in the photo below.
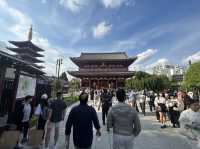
(38, 110)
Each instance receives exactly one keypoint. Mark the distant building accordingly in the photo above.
(172, 72)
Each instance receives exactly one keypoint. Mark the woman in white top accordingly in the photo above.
(161, 102)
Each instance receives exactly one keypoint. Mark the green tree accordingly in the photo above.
(64, 76)
(56, 86)
(192, 76)
(74, 85)
(143, 80)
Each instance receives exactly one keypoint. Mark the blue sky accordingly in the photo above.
(157, 31)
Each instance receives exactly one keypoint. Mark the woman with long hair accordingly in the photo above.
(162, 109)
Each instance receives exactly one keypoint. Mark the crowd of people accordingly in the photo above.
(82, 118)
(166, 105)
(49, 115)
(181, 109)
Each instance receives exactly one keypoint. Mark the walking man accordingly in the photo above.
(190, 121)
(82, 118)
(24, 116)
(56, 115)
(125, 123)
(106, 103)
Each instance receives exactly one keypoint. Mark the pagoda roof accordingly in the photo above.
(113, 57)
(24, 65)
(39, 66)
(29, 58)
(79, 74)
(25, 44)
(25, 50)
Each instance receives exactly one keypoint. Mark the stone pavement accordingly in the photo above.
(151, 137)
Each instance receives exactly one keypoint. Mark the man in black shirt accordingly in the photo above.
(106, 103)
(56, 115)
(82, 118)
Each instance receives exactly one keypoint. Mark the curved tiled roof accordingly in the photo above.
(103, 56)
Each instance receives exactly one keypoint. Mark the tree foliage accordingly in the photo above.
(143, 80)
(64, 76)
(56, 86)
(74, 85)
(192, 76)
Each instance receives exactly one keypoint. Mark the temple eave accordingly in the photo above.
(101, 74)
(126, 62)
(25, 44)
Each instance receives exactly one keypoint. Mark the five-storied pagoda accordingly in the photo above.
(103, 70)
(28, 51)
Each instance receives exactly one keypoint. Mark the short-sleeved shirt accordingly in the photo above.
(57, 107)
(27, 112)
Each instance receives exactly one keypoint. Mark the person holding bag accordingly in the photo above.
(42, 113)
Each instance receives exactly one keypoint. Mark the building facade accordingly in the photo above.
(103, 70)
(20, 75)
(174, 73)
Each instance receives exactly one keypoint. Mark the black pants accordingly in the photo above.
(104, 114)
(151, 106)
(41, 125)
(174, 117)
(142, 106)
(23, 127)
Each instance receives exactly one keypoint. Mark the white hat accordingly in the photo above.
(44, 96)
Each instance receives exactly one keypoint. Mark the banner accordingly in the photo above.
(26, 86)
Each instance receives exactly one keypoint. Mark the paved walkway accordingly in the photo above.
(151, 137)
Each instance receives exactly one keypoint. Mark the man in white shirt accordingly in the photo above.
(24, 118)
(190, 121)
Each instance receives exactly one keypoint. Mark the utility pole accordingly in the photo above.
(56, 67)
(58, 64)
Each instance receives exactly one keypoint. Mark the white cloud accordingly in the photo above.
(22, 24)
(145, 55)
(193, 58)
(2, 3)
(51, 54)
(74, 5)
(44, 1)
(101, 29)
(161, 61)
(117, 3)
(20, 29)
(141, 57)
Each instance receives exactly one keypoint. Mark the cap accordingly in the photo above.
(44, 96)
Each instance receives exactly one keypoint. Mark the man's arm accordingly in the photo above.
(49, 115)
(109, 120)
(68, 126)
(96, 122)
(137, 125)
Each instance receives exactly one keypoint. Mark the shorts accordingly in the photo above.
(54, 125)
(163, 108)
